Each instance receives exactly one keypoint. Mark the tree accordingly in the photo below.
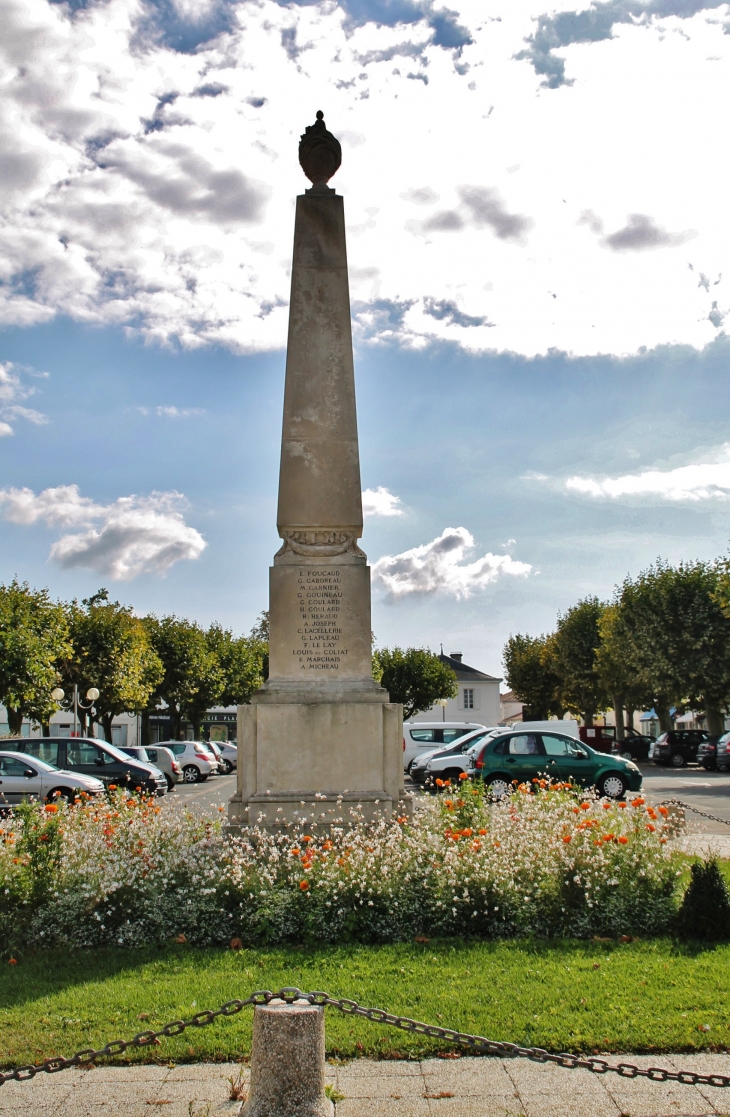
(676, 631)
(192, 679)
(241, 659)
(617, 671)
(576, 642)
(529, 669)
(415, 677)
(34, 636)
(112, 652)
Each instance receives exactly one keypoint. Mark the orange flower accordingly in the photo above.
(476, 844)
(295, 852)
(51, 808)
(341, 861)
(307, 838)
(482, 831)
(449, 804)
(576, 810)
(607, 806)
(585, 806)
(638, 802)
(463, 776)
(623, 840)
(651, 826)
(12, 961)
(304, 885)
(651, 812)
(663, 811)
(597, 841)
(467, 833)
(439, 783)
(608, 837)
(622, 806)
(327, 845)
(566, 838)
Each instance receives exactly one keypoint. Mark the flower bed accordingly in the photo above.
(547, 861)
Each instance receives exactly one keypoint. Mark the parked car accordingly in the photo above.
(228, 759)
(714, 753)
(519, 757)
(448, 763)
(421, 735)
(161, 757)
(677, 747)
(215, 748)
(90, 757)
(24, 778)
(195, 758)
(635, 746)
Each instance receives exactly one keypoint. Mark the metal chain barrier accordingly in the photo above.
(689, 807)
(478, 1044)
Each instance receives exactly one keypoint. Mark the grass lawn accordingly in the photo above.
(578, 996)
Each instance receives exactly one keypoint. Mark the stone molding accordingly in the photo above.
(319, 542)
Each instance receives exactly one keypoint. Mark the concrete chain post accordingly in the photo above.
(287, 1062)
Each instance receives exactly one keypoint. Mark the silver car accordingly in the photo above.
(194, 757)
(23, 777)
(161, 758)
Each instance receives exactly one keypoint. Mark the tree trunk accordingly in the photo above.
(106, 721)
(46, 728)
(176, 724)
(661, 705)
(618, 716)
(714, 718)
(83, 715)
(144, 729)
(15, 721)
(588, 716)
(197, 722)
(630, 718)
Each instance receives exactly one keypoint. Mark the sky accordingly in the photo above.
(538, 240)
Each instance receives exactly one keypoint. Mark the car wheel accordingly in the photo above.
(613, 786)
(498, 787)
(170, 784)
(60, 793)
(722, 768)
(227, 767)
(191, 774)
(678, 760)
(454, 775)
(409, 766)
(709, 766)
(627, 754)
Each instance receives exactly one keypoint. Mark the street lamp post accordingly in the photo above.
(442, 702)
(73, 702)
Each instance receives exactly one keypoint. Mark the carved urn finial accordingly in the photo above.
(320, 153)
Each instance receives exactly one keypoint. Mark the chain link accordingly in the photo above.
(689, 807)
(290, 994)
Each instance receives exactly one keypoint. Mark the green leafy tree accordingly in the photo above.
(112, 652)
(576, 643)
(529, 667)
(34, 636)
(241, 659)
(676, 631)
(192, 679)
(415, 677)
(617, 671)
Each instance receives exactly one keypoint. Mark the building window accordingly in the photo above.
(468, 698)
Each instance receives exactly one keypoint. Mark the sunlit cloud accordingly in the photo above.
(696, 482)
(380, 502)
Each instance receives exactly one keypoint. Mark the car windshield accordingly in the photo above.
(114, 751)
(137, 753)
(42, 764)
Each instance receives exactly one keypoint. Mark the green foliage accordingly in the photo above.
(34, 636)
(241, 659)
(705, 910)
(576, 643)
(415, 677)
(192, 679)
(529, 666)
(112, 652)
(29, 873)
(675, 633)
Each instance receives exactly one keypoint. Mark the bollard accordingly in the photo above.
(287, 1062)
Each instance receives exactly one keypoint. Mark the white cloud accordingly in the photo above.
(13, 389)
(134, 535)
(695, 482)
(380, 502)
(439, 566)
(152, 187)
(172, 412)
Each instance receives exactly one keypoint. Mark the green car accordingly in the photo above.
(519, 757)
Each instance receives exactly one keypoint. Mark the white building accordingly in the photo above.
(477, 698)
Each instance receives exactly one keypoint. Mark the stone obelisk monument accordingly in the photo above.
(320, 732)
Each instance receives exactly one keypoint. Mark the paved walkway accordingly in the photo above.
(466, 1087)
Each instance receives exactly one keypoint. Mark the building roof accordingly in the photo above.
(465, 673)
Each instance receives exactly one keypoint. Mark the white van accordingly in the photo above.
(420, 735)
(566, 725)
